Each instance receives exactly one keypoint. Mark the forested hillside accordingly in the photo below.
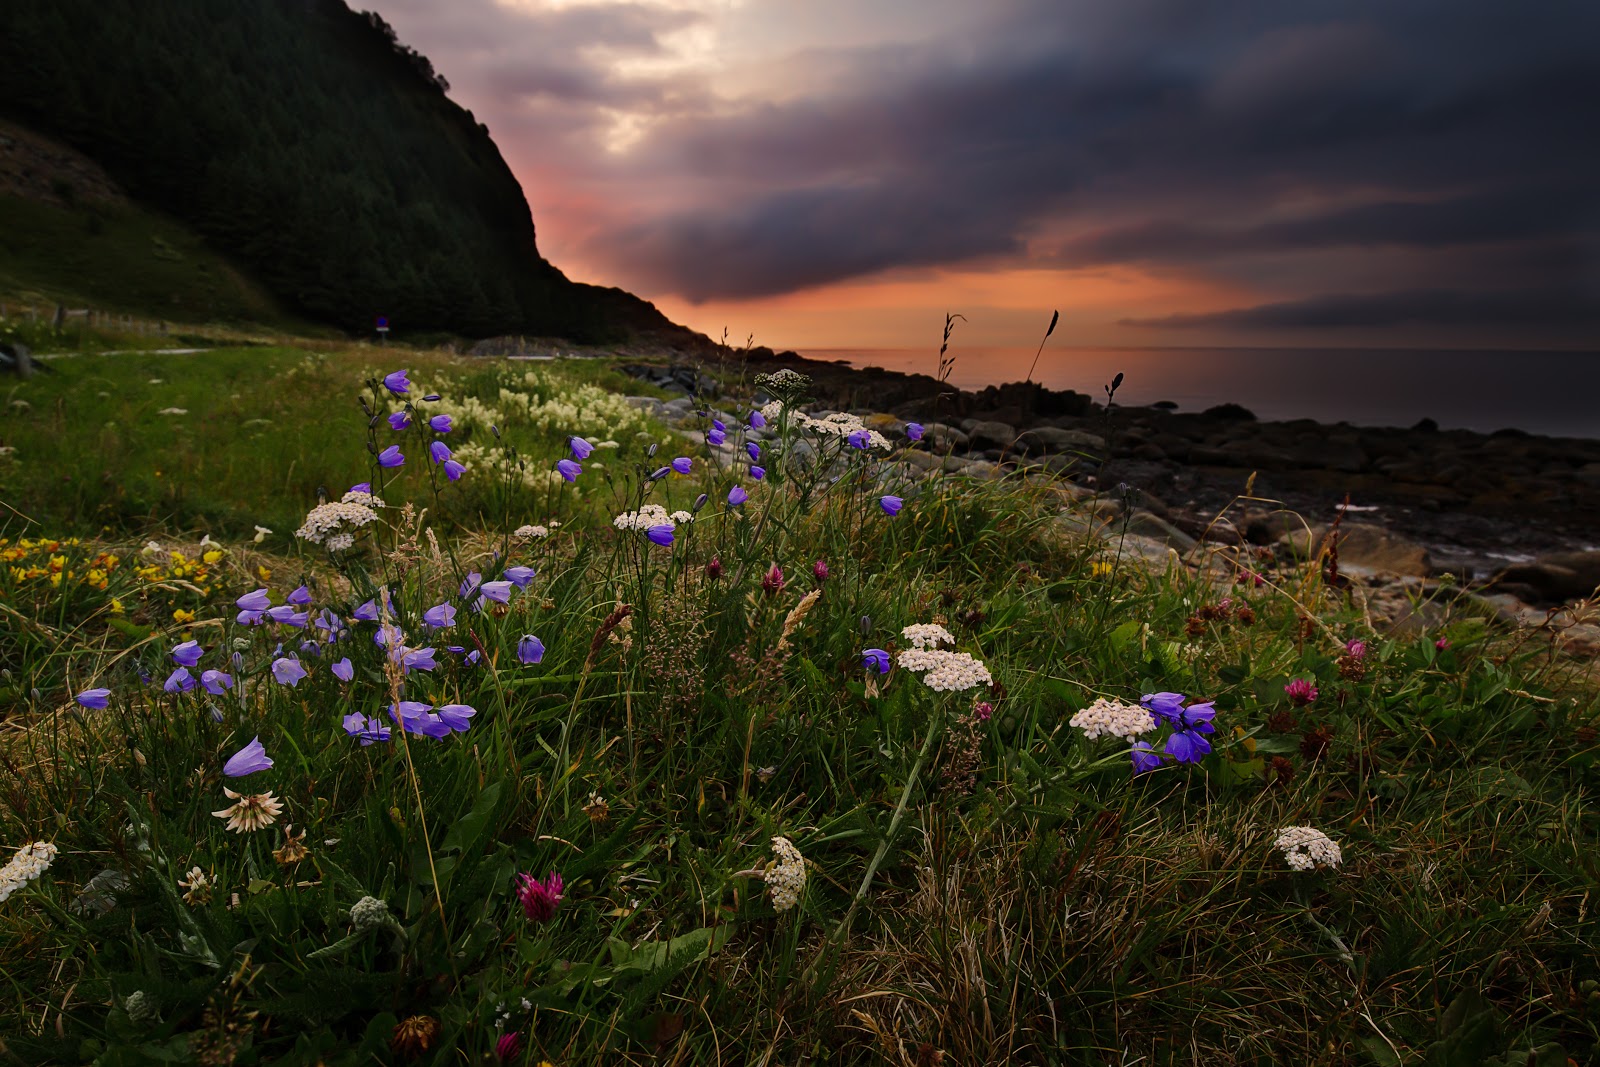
(305, 142)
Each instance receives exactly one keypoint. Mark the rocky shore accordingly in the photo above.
(1513, 514)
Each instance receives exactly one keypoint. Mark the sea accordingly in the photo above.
(1551, 393)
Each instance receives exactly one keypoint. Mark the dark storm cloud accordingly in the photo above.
(1216, 141)
(1155, 134)
(1512, 307)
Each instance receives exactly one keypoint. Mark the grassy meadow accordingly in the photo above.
(682, 787)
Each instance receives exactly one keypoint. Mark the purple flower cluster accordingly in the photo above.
(416, 717)
(1190, 724)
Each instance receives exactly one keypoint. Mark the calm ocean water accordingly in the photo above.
(1555, 393)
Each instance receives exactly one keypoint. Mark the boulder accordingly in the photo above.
(1552, 579)
(1145, 524)
(997, 434)
(1365, 549)
(1053, 439)
(940, 436)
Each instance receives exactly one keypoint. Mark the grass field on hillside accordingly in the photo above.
(799, 768)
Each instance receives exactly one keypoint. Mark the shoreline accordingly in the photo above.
(1477, 501)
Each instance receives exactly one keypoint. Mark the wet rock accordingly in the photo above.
(1552, 579)
(997, 434)
(1054, 439)
(1365, 549)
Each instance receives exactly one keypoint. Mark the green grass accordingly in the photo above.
(124, 259)
(1023, 898)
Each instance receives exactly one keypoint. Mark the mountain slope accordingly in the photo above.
(304, 142)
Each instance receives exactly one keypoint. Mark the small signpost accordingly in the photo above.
(383, 327)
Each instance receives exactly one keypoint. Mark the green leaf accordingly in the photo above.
(469, 829)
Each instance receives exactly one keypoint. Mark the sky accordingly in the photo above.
(841, 173)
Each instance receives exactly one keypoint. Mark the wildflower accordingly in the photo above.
(179, 681)
(875, 658)
(418, 718)
(391, 457)
(397, 383)
(737, 496)
(860, 439)
(508, 1045)
(344, 670)
(757, 420)
(528, 533)
(287, 671)
(414, 1036)
(715, 437)
(983, 710)
(187, 654)
(440, 616)
(581, 449)
(819, 571)
(498, 591)
(196, 887)
(367, 612)
(29, 862)
(1304, 848)
(250, 813)
(418, 659)
(772, 582)
(1442, 644)
(948, 672)
(597, 809)
(758, 473)
(439, 451)
(360, 487)
(569, 470)
(216, 682)
(530, 649)
(786, 879)
(683, 464)
(94, 698)
(294, 848)
(456, 716)
(914, 431)
(520, 576)
(454, 470)
(400, 421)
(1145, 758)
(285, 613)
(753, 450)
(1187, 743)
(441, 424)
(248, 760)
(1301, 692)
(1355, 649)
(660, 535)
(1112, 718)
(714, 568)
(891, 505)
(927, 635)
(539, 898)
(365, 728)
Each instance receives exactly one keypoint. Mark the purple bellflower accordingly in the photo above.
(248, 760)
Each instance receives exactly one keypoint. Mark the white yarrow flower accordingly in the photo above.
(1112, 718)
(786, 879)
(30, 862)
(927, 635)
(1304, 847)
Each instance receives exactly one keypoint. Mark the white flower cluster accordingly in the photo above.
(786, 879)
(927, 635)
(529, 533)
(1304, 847)
(335, 525)
(648, 516)
(356, 496)
(836, 424)
(33, 860)
(1112, 718)
(502, 465)
(948, 672)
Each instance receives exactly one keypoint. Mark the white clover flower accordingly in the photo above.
(927, 635)
(1112, 718)
(30, 862)
(786, 879)
(1304, 847)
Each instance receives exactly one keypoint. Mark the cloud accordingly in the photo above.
(1289, 147)
(1430, 307)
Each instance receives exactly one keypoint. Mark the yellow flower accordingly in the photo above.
(1102, 568)
(116, 606)
(263, 573)
(55, 579)
(57, 562)
(180, 615)
(213, 556)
